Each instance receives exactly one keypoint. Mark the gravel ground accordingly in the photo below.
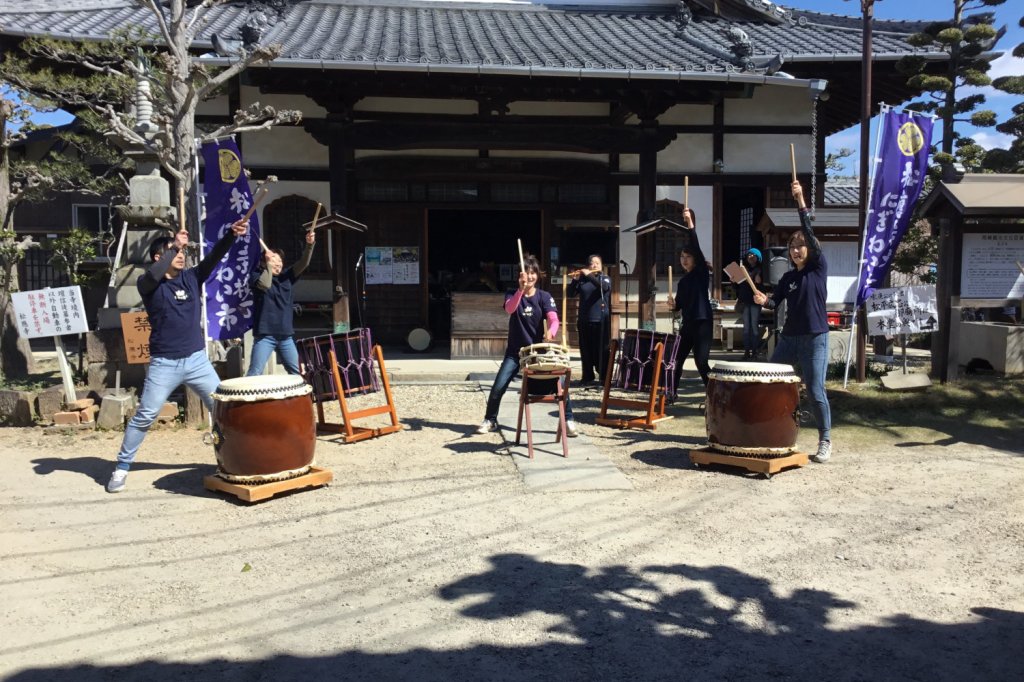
(427, 559)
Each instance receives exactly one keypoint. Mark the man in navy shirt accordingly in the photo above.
(172, 295)
(804, 338)
(593, 288)
(273, 298)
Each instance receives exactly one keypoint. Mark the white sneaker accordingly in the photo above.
(487, 425)
(117, 481)
(570, 428)
(824, 452)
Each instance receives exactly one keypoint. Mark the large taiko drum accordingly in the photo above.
(264, 428)
(752, 408)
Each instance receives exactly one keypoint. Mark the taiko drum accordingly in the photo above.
(264, 428)
(752, 408)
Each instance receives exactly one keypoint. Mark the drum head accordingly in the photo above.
(419, 339)
(265, 387)
(778, 368)
(766, 372)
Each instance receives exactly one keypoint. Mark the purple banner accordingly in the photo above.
(228, 298)
(899, 177)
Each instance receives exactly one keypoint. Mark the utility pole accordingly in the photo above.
(867, 10)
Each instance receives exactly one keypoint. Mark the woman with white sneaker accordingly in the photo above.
(804, 338)
(527, 307)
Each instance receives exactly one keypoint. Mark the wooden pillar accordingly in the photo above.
(950, 230)
(645, 261)
(339, 158)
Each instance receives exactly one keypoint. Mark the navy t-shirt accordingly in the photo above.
(272, 309)
(174, 308)
(526, 324)
(593, 291)
(805, 290)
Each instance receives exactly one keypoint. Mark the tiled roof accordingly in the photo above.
(842, 195)
(494, 38)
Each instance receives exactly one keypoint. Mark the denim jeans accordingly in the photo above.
(751, 316)
(162, 377)
(810, 352)
(506, 373)
(263, 346)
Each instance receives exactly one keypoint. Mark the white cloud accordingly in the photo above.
(991, 140)
(1007, 65)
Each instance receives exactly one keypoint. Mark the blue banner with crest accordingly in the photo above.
(228, 297)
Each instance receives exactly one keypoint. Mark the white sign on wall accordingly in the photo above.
(49, 312)
(989, 266)
(906, 310)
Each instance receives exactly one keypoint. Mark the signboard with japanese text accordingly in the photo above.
(49, 312)
(906, 310)
(989, 266)
(135, 329)
(392, 264)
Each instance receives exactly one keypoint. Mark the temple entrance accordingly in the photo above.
(474, 251)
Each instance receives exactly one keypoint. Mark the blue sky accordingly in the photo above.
(887, 9)
(1007, 15)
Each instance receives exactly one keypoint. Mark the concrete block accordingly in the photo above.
(16, 408)
(88, 415)
(66, 418)
(81, 404)
(105, 345)
(102, 375)
(168, 413)
(114, 411)
(49, 402)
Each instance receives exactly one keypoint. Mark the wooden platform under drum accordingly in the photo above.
(765, 465)
(263, 491)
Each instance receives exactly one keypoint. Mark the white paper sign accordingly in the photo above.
(378, 265)
(49, 312)
(989, 266)
(406, 265)
(906, 310)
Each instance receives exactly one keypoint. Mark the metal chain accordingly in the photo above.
(814, 155)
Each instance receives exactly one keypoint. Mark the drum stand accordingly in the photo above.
(255, 492)
(764, 465)
(654, 406)
(349, 432)
(560, 397)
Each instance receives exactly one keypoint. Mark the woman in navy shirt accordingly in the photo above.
(694, 302)
(804, 338)
(527, 308)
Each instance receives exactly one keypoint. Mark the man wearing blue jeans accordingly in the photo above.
(273, 298)
(172, 296)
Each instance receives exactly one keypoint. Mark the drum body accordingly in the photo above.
(752, 408)
(264, 428)
(541, 358)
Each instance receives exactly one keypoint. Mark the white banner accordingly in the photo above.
(49, 312)
(906, 310)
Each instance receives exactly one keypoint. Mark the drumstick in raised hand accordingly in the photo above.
(261, 194)
(522, 263)
(316, 216)
(686, 192)
(565, 305)
(792, 159)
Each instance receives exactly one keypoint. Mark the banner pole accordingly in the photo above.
(884, 110)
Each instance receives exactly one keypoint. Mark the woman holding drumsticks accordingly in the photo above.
(693, 301)
(527, 307)
(804, 338)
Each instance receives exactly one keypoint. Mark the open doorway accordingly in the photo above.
(742, 208)
(474, 250)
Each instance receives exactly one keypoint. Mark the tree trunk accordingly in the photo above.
(16, 361)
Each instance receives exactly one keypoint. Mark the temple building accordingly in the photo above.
(453, 129)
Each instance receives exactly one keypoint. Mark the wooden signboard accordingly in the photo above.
(135, 327)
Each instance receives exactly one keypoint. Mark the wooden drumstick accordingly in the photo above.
(316, 216)
(261, 194)
(792, 159)
(522, 263)
(686, 192)
(565, 305)
(181, 208)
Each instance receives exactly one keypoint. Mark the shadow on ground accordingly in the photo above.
(617, 623)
